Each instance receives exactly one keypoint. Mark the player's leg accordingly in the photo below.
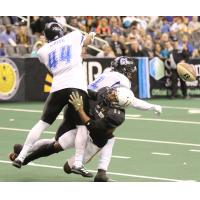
(18, 147)
(53, 106)
(104, 161)
(82, 134)
(66, 141)
(90, 151)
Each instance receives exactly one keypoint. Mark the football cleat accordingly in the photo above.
(67, 168)
(82, 171)
(101, 177)
(17, 163)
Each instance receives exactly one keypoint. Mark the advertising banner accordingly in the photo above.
(12, 79)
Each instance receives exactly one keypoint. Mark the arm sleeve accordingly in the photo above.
(78, 37)
(142, 105)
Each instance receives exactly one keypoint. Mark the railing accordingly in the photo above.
(27, 19)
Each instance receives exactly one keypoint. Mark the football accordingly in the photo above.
(186, 71)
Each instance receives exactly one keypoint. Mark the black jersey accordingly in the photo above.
(104, 118)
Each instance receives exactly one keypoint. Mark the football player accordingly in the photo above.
(62, 57)
(106, 114)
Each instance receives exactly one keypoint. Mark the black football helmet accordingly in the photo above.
(125, 65)
(53, 31)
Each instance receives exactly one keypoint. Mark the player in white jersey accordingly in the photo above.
(119, 75)
(62, 56)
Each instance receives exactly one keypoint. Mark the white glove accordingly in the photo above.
(92, 34)
(157, 109)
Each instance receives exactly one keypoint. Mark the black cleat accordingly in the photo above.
(67, 168)
(101, 177)
(17, 163)
(17, 148)
(82, 171)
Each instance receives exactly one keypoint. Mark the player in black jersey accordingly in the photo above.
(106, 114)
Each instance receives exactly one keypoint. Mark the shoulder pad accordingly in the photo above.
(115, 117)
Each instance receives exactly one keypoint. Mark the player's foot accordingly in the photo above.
(82, 171)
(67, 168)
(102, 177)
(17, 163)
(13, 156)
(17, 149)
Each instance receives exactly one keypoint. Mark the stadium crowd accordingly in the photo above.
(132, 36)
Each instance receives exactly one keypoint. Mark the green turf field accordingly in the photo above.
(148, 147)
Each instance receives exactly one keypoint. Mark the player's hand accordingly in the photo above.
(76, 101)
(157, 109)
(92, 35)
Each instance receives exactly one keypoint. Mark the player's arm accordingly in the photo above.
(143, 105)
(89, 39)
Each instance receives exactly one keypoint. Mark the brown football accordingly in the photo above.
(186, 71)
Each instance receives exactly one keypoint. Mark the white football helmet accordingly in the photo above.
(124, 96)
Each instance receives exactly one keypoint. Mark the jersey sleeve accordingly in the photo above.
(78, 37)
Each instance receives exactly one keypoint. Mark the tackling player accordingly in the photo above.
(62, 57)
(106, 114)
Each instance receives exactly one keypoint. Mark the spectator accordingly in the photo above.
(157, 51)
(185, 41)
(117, 46)
(103, 30)
(148, 48)
(22, 37)
(178, 55)
(165, 28)
(36, 47)
(8, 36)
(2, 50)
(107, 52)
(114, 26)
(165, 52)
(194, 24)
(135, 50)
(196, 53)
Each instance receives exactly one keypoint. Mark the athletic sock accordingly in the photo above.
(32, 137)
(42, 151)
(80, 143)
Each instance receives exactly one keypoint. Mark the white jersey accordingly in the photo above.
(62, 58)
(110, 79)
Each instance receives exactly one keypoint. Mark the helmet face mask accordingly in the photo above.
(119, 97)
(53, 31)
(124, 65)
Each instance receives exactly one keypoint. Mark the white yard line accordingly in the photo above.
(158, 141)
(179, 108)
(164, 120)
(40, 111)
(194, 111)
(122, 157)
(118, 138)
(162, 154)
(112, 173)
(128, 116)
(194, 150)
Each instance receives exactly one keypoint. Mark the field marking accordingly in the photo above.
(111, 173)
(194, 150)
(158, 141)
(194, 111)
(118, 138)
(179, 108)
(122, 157)
(164, 120)
(128, 116)
(162, 154)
